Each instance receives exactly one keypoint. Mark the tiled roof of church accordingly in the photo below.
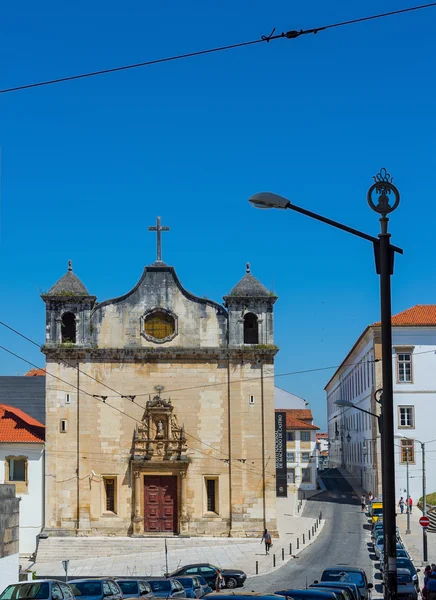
(35, 373)
(250, 287)
(69, 285)
(18, 426)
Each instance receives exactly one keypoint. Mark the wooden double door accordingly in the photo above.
(160, 504)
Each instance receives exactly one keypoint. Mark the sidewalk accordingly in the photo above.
(413, 541)
(147, 556)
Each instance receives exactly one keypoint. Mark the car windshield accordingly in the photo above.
(404, 578)
(405, 563)
(38, 591)
(344, 577)
(187, 582)
(377, 511)
(161, 585)
(86, 588)
(201, 580)
(128, 587)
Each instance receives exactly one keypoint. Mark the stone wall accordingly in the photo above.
(9, 535)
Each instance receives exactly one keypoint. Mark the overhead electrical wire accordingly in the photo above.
(265, 38)
(103, 401)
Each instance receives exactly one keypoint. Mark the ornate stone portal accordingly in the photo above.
(159, 465)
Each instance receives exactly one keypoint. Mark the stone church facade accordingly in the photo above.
(160, 414)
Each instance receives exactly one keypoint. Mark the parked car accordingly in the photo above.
(343, 589)
(405, 563)
(401, 553)
(339, 593)
(376, 511)
(166, 588)
(378, 545)
(243, 596)
(232, 577)
(378, 529)
(206, 587)
(406, 587)
(135, 588)
(348, 574)
(350, 587)
(42, 589)
(309, 594)
(192, 586)
(96, 589)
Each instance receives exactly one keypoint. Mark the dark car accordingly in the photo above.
(243, 596)
(166, 588)
(351, 588)
(348, 575)
(44, 589)
(341, 593)
(192, 586)
(310, 594)
(405, 585)
(232, 577)
(135, 588)
(406, 563)
(96, 589)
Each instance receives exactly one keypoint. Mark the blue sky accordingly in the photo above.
(86, 166)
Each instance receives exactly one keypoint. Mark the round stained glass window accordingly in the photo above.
(159, 325)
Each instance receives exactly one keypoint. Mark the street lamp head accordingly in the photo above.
(268, 200)
(345, 403)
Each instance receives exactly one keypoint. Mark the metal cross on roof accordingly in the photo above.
(158, 229)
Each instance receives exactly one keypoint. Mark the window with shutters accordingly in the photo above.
(16, 472)
(407, 451)
(406, 417)
(404, 367)
(211, 485)
(110, 495)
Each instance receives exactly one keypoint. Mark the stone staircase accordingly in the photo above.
(78, 548)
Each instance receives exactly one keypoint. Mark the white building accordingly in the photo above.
(354, 435)
(300, 448)
(22, 457)
(322, 450)
(285, 399)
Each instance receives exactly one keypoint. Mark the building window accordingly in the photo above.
(305, 456)
(17, 469)
(404, 362)
(63, 425)
(306, 475)
(290, 456)
(406, 417)
(251, 400)
(290, 436)
(305, 436)
(291, 476)
(251, 329)
(68, 328)
(212, 495)
(67, 399)
(159, 325)
(407, 451)
(110, 493)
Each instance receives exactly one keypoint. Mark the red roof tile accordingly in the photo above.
(421, 315)
(35, 373)
(295, 416)
(18, 426)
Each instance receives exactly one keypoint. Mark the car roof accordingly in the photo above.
(346, 569)
(90, 579)
(243, 594)
(197, 565)
(335, 583)
(402, 571)
(309, 591)
(38, 581)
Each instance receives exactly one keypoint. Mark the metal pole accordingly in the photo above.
(424, 508)
(408, 492)
(385, 269)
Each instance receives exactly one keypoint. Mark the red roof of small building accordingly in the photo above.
(35, 373)
(295, 416)
(18, 426)
(421, 315)
(322, 436)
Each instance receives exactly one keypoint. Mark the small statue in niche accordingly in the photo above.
(159, 430)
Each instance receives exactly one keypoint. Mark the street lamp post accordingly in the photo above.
(424, 493)
(383, 197)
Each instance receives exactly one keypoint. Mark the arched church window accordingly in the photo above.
(159, 325)
(251, 329)
(68, 328)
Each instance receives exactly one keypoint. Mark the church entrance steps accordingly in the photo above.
(98, 556)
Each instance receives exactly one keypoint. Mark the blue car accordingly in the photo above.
(206, 587)
(135, 588)
(166, 588)
(192, 587)
(96, 589)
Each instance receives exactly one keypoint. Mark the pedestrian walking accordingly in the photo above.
(370, 497)
(267, 539)
(401, 504)
(363, 502)
(219, 581)
(431, 587)
(410, 505)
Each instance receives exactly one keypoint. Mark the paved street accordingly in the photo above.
(342, 541)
